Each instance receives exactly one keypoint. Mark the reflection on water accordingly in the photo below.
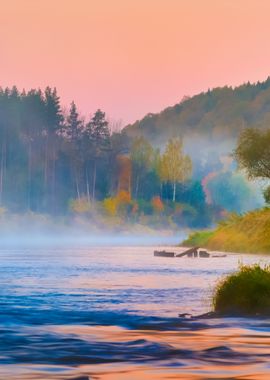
(111, 313)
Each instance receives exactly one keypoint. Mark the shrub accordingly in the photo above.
(245, 292)
(120, 205)
(110, 206)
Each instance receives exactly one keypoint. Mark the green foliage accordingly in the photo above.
(97, 130)
(191, 192)
(266, 194)
(232, 192)
(253, 153)
(199, 238)
(174, 166)
(218, 114)
(141, 155)
(73, 125)
(245, 292)
(145, 207)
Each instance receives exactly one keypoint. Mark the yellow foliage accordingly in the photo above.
(239, 233)
(110, 206)
(117, 205)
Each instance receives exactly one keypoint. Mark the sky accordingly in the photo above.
(132, 57)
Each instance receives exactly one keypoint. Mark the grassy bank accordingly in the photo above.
(248, 233)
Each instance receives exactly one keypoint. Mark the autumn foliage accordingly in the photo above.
(157, 204)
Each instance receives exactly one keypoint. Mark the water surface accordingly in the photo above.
(112, 313)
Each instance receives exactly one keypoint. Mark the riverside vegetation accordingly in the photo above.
(248, 232)
(245, 292)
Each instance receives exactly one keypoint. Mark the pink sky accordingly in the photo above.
(131, 57)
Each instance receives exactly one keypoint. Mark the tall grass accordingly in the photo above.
(248, 233)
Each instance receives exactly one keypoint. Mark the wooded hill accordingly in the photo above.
(215, 116)
(56, 162)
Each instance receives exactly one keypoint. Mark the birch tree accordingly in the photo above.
(175, 166)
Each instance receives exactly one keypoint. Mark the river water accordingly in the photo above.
(112, 313)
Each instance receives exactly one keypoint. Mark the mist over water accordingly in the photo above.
(75, 237)
(112, 313)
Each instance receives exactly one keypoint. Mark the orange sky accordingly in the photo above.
(131, 57)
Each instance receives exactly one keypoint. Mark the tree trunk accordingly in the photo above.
(3, 160)
(94, 180)
(53, 180)
(161, 191)
(29, 175)
(77, 186)
(137, 187)
(174, 191)
(45, 184)
(87, 185)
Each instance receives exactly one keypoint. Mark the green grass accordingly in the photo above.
(244, 293)
(199, 238)
(248, 233)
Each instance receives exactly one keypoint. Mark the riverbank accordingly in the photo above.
(248, 233)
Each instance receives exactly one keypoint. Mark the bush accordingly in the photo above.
(110, 206)
(244, 293)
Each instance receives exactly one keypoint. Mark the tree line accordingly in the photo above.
(50, 158)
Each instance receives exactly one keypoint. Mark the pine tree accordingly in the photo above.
(74, 125)
(54, 127)
(98, 134)
(74, 128)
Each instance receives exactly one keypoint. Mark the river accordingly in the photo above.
(112, 313)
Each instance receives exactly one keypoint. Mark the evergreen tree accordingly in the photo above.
(54, 127)
(98, 134)
(74, 125)
(74, 128)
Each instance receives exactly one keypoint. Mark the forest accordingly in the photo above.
(57, 162)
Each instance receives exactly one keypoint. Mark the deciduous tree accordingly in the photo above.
(175, 166)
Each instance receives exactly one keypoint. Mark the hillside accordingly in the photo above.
(215, 116)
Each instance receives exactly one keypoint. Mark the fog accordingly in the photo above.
(72, 237)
